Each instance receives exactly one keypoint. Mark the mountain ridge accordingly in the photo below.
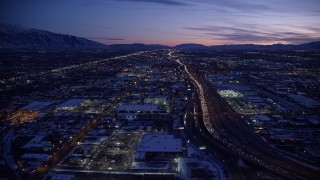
(15, 37)
(19, 37)
(310, 45)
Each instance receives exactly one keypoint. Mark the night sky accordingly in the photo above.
(171, 22)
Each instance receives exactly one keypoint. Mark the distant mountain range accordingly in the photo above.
(311, 45)
(15, 37)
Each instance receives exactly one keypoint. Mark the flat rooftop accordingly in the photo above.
(138, 107)
(36, 105)
(159, 143)
(71, 103)
(261, 118)
(305, 101)
(42, 157)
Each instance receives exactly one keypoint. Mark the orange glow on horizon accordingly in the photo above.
(205, 42)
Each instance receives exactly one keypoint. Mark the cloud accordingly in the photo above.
(163, 2)
(233, 6)
(253, 35)
(241, 5)
(106, 38)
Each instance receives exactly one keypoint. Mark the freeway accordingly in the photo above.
(191, 135)
(195, 131)
(223, 127)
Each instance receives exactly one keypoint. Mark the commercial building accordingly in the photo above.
(158, 144)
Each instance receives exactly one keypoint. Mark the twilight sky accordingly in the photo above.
(171, 22)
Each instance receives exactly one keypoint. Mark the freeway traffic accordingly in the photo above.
(222, 125)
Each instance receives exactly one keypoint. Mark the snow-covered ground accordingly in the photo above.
(198, 160)
(149, 166)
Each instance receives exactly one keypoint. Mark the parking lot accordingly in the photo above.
(114, 153)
